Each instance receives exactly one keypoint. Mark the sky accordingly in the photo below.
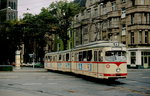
(33, 6)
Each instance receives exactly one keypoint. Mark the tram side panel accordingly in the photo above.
(79, 68)
(66, 66)
(94, 72)
(100, 70)
(87, 68)
(90, 69)
(73, 66)
(115, 70)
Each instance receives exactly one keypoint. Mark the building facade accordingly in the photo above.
(126, 21)
(8, 10)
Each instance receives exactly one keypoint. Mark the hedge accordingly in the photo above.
(6, 68)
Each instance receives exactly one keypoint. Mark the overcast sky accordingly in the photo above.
(34, 6)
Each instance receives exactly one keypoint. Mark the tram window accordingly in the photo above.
(67, 57)
(46, 58)
(49, 58)
(53, 58)
(116, 56)
(89, 55)
(64, 59)
(99, 56)
(59, 57)
(84, 55)
(80, 56)
(95, 55)
(76, 57)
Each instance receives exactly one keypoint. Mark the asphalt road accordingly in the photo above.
(39, 82)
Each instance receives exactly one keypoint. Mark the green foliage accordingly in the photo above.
(63, 12)
(31, 30)
(6, 68)
(10, 39)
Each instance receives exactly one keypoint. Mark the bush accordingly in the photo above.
(6, 68)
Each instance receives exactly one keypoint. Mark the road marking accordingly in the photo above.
(27, 84)
(145, 77)
(30, 84)
(131, 81)
(52, 83)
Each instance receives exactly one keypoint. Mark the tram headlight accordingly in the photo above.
(118, 70)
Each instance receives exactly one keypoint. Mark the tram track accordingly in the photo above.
(134, 88)
(133, 91)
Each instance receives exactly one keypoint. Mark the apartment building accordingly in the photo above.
(8, 10)
(126, 21)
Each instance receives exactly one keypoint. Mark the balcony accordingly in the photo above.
(135, 45)
(139, 25)
(113, 14)
(138, 8)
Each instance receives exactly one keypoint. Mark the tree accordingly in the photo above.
(35, 28)
(63, 12)
(10, 39)
(34, 31)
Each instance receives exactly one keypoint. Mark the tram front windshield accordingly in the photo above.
(115, 56)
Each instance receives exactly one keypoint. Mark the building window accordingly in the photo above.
(113, 6)
(133, 2)
(14, 5)
(115, 22)
(85, 30)
(104, 9)
(123, 11)
(123, 1)
(147, 18)
(132, 19)
(95, 12)
(140, 37)
(142, 2)
(133, 57)
(89, 13)
(123, 29)
(132, 37)
(146, 37)
(9, 5)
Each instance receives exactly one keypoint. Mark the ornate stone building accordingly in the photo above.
(127, 21)
(8, 10)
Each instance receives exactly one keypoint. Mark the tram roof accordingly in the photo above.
(58, 52)
(99, 44)
(91, 45)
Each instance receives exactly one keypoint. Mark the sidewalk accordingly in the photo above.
(8, 92)
(28, 69)
(138, 70)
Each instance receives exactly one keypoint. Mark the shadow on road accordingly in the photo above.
(110, 82)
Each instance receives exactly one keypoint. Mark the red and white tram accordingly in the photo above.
(105, 60)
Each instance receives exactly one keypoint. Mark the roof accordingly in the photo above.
(100, 44)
